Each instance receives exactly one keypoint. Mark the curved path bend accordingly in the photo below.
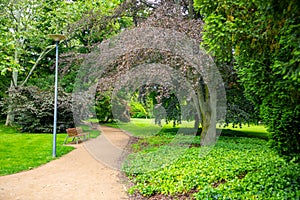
(80, 174)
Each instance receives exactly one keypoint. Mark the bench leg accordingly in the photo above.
(85, 137)
(66, 139)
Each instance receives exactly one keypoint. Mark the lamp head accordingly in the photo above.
(57, 37)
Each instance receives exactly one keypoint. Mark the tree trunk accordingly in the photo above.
(14, 83)
(208, 121)
(10, 116)
(208, 109)
(196, 124)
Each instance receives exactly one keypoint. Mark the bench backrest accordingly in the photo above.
(79, 130)
(72, 131)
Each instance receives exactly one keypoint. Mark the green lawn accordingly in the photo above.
(146, 127)
(255, 131)
(139, 127)
(239, 166)
(22, 151)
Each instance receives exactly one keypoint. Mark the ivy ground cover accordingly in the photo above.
(235, 168)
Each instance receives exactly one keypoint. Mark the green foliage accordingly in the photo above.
(137, 110)
(21, 34)
(262, 39)
(4, 83)
(94, 21)
(24, 26)
(20, 152)
(172, 108)
(68, 79)
(6, 48)
(33, 109)
(43, 81)
(240, 110)
(168, 107)
(141, 104)
(236, 168)
(285, 130)
(103, 107)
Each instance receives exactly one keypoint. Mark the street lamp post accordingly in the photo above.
(56, 38)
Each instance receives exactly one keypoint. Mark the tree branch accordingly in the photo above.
(42, 55)
(151, 5)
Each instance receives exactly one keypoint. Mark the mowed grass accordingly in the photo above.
(22, 151)
(254, 131)
(138, 127)
(147, 127)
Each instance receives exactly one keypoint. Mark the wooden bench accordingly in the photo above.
(76, 133)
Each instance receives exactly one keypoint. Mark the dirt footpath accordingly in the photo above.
(81, 174)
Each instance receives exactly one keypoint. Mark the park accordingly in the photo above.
(143, 99)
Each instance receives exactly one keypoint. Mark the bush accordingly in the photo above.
(103, 107)
(283, 124)
(4, 84)
(137, 110)
(33, 109)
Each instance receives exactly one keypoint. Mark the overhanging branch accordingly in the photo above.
(42, 55)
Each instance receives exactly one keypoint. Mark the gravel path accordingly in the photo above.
(88, 172)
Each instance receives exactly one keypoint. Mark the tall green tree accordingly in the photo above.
(24, 26)
(262, 39)
(20, 18)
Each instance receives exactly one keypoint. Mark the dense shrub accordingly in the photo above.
(4, 84)
(285, 130)
(137, 110)
(108, 108)
(261, 40)
(33, 109)
(103, 107)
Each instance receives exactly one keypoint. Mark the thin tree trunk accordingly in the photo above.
(9, 117)
(14, 83)
(197, 122)
(191, 9)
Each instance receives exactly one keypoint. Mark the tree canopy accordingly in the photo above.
(261, 39)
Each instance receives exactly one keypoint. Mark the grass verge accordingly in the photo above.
(22, 151)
